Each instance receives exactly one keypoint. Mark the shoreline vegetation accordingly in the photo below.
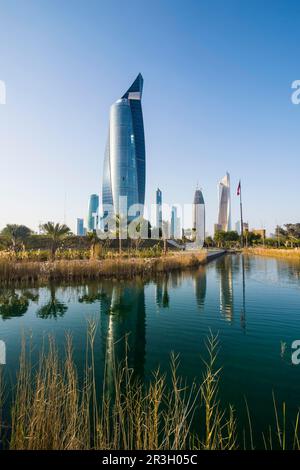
(123, 266)
(292, 254)
(78, 265)
(124, 412)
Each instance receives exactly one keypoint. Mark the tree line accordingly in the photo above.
(16, 237)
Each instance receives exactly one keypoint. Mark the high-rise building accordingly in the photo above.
(224, 219)
(92, 219)
(199, 218)
(188, 233)
(124, 162)
(238, 227)
(114, 328)
(173, 222)
(159, 210)
(80, 227)
(166, 229)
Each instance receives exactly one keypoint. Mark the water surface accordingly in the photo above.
(253, 303)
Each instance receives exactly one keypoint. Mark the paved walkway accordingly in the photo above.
(212, 254)
(192, 247)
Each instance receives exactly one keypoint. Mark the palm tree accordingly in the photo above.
(13, 304)
(54, 308)
(293, 233)
(93, 239)
(17, 234)
(118, 219)
(56, 233)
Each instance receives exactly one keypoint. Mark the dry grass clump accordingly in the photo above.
(43, 255)
(53, 409)
(120, 267)
(289, 253)
(11, 271)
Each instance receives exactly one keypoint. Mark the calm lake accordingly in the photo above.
(253, 303)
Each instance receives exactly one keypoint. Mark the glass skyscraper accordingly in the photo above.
(224, 220)
(80, 227)
(124, 162)
(199, 218)
(92, 219)
(175, 223)
(159, 209)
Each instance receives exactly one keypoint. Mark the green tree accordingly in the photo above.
(293, 234)
(94, 240)
(226, 239)
(209, 241)
(16, 235)
(138, 230)
(15, 304)
(272, 242)
(281, 235)
(56, 233)
(232, 237)
(220, 238)
(144, 228)
(253, 238)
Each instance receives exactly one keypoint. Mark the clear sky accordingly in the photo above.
(217, 98)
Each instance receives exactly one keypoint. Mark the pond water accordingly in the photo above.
(252, 303)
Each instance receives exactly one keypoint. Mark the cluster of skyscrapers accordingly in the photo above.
(124, 176)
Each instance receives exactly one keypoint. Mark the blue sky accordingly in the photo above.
(217, 98)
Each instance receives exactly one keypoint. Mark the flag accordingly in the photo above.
(238, 192)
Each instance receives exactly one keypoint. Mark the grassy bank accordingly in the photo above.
(292, 254)
(54, 409)
(77, 270)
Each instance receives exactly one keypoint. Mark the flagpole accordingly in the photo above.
(242, 223)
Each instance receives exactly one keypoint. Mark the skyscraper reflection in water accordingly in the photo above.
(243, 309)
(200, 286)
(123, 326)
(224, 268)
(162, 298)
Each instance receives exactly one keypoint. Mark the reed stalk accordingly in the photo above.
(55, 409)
(12, 271)
(288, 253)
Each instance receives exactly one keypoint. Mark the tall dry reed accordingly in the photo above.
(289, 253)
(55, 409)
(77, 270)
